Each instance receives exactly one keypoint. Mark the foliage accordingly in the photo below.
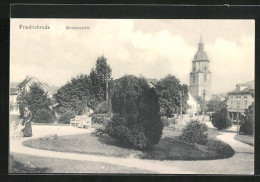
(84, 90)
(136, 113)
(66, 116)
(165, 121)
(169, 90)
(100, 118)
(103, 107)
(214, 104)
(195, 133)
(103, 72)
(247, 120)
(220, 119)
(44, 116)
(38, 103)
(74, 94)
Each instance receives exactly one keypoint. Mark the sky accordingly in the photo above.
(152, 48)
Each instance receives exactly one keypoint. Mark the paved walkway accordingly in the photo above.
(241, 163)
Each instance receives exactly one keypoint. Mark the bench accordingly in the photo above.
(81, 121)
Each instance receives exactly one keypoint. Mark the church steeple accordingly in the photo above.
(201, 43)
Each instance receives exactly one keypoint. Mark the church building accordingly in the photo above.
(200, 76)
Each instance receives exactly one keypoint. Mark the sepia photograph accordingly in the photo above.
(132, 96)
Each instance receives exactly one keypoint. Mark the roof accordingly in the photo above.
(28, 79)
(201, 55)
(50, 88)
(152, 80)
(13, 91)
(24, 82)
(249, 88)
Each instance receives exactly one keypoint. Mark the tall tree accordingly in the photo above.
(104, 72)
(172, 95)
(214, 104)
(38, 103)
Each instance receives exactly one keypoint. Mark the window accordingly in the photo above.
(205, 68)
(245, 102)
(193, 78)
(205, 77)
(194, 68)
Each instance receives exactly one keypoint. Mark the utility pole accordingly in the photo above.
(204, 110)
(181, 93)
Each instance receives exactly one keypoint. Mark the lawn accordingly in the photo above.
(23, 163)
(245, 139)
(169, 147)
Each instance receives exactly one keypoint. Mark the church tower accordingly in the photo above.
(200, 76)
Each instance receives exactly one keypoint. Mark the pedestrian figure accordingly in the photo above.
(26, 122)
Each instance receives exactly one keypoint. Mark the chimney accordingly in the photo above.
(238, 88)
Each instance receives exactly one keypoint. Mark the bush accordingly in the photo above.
(43, 116)
(195, 133)
(220, 119)
(136, 118)
(247, 121)
(166, 121)
(100, 118)
(102, 108)
(66, 116)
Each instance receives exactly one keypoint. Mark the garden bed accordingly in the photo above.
(169, 147)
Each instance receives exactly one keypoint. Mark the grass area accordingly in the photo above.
(169, 147)
(81, 143)
(24, 167)
(245, 139)
(55, 165)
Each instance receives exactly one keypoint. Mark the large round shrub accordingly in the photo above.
(247, 121)
(43, 116)
(102, 108)
(66, 116)
(136, 113)
(220, 119)
(195, 133)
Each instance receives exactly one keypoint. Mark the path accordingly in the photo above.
(240, 163)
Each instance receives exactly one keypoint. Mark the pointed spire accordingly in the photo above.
(201, 43)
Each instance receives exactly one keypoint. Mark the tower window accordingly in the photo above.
(205, 77)
(205, 68)
(193, 78)
(194, 68)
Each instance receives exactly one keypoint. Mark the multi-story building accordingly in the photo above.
(24, 86)
(240, 99)
(200, 76)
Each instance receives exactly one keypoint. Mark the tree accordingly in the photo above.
(220, 119)
(104, 73)
(171, 94)
(38, 103)
(72, 95)
(214, 104)
(136, 113)
(247, 120)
